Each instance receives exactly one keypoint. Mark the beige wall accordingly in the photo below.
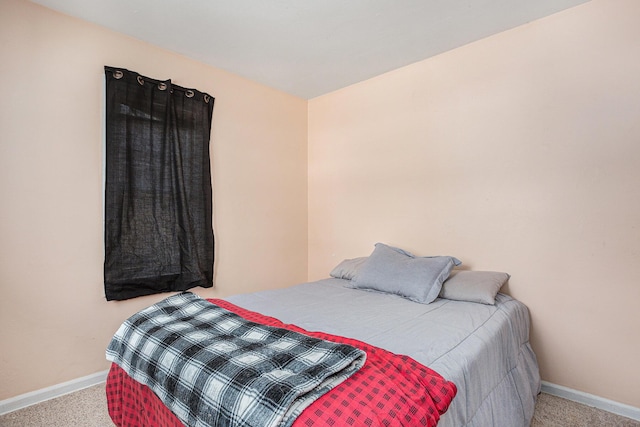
(518, 153)
(54, 320)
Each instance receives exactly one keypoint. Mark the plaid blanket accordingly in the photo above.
(389, 390)
(212, 367)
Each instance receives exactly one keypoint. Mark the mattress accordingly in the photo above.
(483, 349)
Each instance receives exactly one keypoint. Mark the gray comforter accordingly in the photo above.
(483, 349)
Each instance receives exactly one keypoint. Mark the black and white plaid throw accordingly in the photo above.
(212, 367)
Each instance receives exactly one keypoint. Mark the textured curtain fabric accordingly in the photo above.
(158, 207)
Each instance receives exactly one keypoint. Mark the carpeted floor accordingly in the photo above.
(84, 408)
(88, 408)
(552, 411)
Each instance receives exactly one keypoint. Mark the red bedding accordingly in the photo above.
(389, 390)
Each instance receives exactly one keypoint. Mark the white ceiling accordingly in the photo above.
(309, 47)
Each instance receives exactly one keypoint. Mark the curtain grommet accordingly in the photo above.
(162, 86)
(206, 98)
(140, 81)
(189, 93)
(117, 74)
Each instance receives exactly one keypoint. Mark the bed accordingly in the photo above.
(482, 348)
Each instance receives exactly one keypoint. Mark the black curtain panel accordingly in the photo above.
(158, 207)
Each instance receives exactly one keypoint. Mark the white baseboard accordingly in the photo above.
(31, 398)
(591, 400)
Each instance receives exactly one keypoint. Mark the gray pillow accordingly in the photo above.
(348, 268)
(395, 271)
(474, 286)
